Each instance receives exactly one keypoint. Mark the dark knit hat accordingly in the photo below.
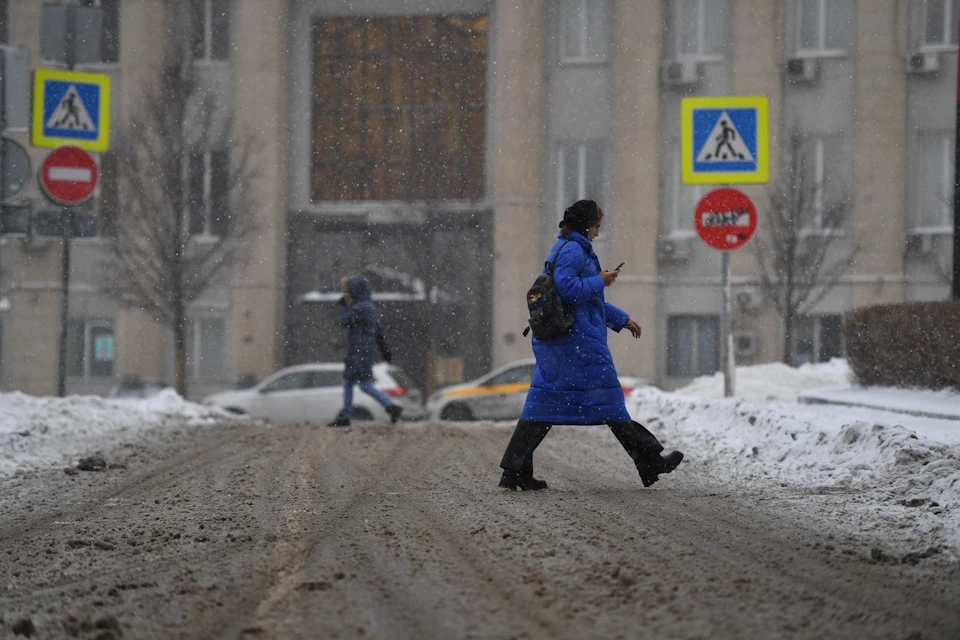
(580, 216)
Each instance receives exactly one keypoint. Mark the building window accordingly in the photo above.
(399, 108)
(701, 28)
(90, 348)
(821, 181)
(585, 30)
(4, 22)
(693, 345)
(939, 20)
(109, 28)
(817, 338)
(823, 25)
(932, 181)
(208, 188)
(580, 167)
(205, 339)
(210, 29)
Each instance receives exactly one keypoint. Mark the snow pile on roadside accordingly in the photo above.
(773, 382)
(902, 481)
(45, 431)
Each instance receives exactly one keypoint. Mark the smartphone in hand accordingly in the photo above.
(620, 265)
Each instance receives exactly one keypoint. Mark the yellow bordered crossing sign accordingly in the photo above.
(724, 140)
(71, 108)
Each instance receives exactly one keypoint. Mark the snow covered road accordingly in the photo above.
(246, 530)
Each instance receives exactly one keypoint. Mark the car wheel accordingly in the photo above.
(456, 413)
(359, 413)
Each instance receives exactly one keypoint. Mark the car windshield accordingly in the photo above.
(513, 375)
(295, 380)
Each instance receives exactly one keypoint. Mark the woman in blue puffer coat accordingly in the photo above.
(358, 314)
(575, 381)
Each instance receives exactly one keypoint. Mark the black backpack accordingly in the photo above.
(550, 316)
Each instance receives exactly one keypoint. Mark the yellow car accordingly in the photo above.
(499, 395)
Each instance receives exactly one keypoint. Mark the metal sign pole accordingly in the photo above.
(729, 365)
(66, 230)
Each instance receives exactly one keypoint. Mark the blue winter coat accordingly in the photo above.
(363, 330)
(575, 381)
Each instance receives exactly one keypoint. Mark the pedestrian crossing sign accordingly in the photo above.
(71, 108)
(724, 140)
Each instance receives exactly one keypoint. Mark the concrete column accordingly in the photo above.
(260, 108)
(880, 153)
(516, 177)
(635, 179)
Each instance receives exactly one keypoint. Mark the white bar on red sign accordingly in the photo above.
(69, 174)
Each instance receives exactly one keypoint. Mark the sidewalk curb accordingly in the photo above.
(813, 399)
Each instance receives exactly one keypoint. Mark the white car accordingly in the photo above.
(314, 393)
(499, 395)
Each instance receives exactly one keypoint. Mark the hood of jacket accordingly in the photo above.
(359, 287)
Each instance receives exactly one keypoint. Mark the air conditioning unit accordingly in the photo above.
(925, 62)
(673, 250)
(803, 70)
(749, 299)
(745, 344)
(919, 244)
(680, 73)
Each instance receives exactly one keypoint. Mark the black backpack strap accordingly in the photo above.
(553, 264)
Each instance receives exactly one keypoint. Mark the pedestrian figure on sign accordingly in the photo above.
(575, 381)
(727, 133)
(365, 336)
(70, 103)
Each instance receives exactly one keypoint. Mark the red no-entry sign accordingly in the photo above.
(68, 175)
(726, 219)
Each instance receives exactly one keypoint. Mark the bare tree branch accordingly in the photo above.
(803, 254)
(157, 266)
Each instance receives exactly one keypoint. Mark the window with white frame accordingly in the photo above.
(4, 21)
(207, 196)
(584, 30)
(932, 181)
(693, 345)
(205, 339)
(210, 29)
(90, 348)
(817, 338)
(684, 197)
(821, 181)
(109, 28)
(939, 20)
(581, 171)
(701, 28)
(823, 26)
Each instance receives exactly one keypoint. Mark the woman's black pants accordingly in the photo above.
(639, 443)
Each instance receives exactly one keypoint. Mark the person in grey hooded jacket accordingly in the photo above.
(357, 313)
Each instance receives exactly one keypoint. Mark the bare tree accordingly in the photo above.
(806, 249)
(157, 264)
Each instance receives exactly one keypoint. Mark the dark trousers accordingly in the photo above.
(639, 443)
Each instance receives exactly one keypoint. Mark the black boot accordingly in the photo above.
(645, 449)
(517, 463)
(394, 411)
(650, 467)
(340, 421)
(513, 481)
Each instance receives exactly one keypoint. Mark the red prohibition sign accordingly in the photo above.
(725, 219)
(68, 175)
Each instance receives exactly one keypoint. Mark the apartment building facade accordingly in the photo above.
(433, 144)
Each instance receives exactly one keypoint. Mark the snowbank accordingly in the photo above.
(903, 478)
(773, 382)
(45, 431)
